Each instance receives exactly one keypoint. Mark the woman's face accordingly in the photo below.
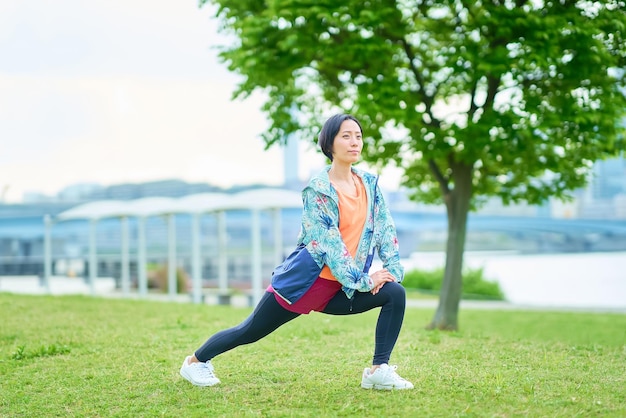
(348, 143)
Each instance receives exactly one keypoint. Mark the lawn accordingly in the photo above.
(83, 356)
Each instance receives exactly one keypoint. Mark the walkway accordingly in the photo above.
(105, 287)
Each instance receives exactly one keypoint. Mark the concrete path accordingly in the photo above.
(507, 306)
(105, 287)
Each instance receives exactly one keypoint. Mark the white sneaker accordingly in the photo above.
(384, 377)
(199, 374)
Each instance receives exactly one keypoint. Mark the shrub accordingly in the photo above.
(157, 279)
(475, 286)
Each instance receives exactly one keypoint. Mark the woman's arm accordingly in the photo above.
(386, 238)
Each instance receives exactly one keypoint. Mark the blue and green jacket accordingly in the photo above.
(320, 234)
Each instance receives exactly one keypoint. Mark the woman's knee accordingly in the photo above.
(395, 291)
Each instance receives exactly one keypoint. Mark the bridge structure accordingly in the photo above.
(23, 239)
(568, 234)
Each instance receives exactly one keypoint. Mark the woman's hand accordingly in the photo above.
(380, 278)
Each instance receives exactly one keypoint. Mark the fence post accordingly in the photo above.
(47, 252)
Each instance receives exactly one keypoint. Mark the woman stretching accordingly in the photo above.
(344, 220)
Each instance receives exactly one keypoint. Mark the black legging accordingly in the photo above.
(269, 315)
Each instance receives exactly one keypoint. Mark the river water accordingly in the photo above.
(581, 280)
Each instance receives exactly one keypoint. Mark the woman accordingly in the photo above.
(343, 221)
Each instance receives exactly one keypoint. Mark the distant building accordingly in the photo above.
(37, 197)
(609, 178)
(290, 163)
(79, 192)
(164, 188)
(605, 197)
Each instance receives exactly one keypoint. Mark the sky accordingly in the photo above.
(116, 91)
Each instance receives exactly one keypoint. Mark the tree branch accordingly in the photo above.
(428, 100)
(473, 107)
(492, 90)
(441, 179)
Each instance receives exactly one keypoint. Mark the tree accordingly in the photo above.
(471, 99)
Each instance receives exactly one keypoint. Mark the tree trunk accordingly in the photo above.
(457, 207)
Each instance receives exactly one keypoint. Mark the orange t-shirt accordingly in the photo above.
(352, 214)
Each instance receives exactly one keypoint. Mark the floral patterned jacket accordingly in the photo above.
(320, 233)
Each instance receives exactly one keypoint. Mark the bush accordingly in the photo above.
(157, 278)
(475, 286)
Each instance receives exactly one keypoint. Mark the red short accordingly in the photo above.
(315, 299)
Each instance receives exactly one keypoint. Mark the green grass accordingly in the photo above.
(82, 356)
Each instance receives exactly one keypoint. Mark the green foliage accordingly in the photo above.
(43, 351)
(524, 96)
(158, 278)
(19, 353)
(125, 356)
(475, 286)
(470, 100)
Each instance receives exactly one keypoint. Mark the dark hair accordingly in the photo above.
(329, 131)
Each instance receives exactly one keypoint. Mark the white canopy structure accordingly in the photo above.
(196, 205)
